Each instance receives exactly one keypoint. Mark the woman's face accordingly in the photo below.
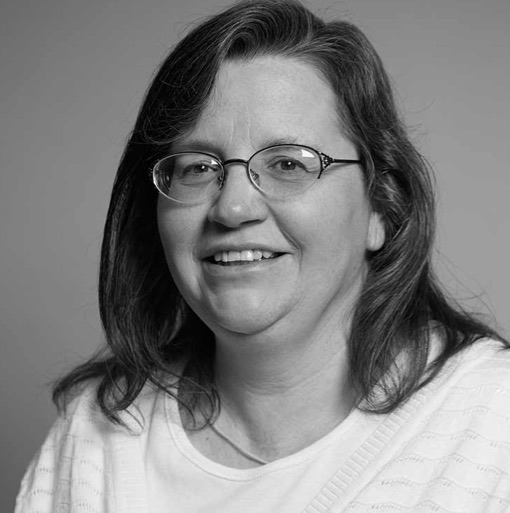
(320, 238)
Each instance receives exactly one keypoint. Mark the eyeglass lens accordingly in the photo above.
(278, 171)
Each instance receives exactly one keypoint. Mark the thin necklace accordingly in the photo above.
(247, 454)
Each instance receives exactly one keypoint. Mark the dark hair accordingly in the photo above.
(151, 332)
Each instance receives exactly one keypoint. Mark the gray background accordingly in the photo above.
(72, 76)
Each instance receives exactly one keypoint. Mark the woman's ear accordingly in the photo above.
(376, 233)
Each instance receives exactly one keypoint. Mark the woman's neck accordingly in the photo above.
(279, 397)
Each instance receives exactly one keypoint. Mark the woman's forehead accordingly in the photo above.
(267, 100)
(270, 81)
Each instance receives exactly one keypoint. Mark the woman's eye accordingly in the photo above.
(287, 165)
(201, 168)
(198, 169)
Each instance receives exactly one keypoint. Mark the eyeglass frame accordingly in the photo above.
(325, 161)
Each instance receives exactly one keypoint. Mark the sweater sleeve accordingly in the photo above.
(71, 472)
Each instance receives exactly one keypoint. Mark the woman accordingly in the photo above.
(277, 340)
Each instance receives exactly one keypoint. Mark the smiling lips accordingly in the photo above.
(241, 257)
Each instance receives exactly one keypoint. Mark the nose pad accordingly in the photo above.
(254, 177)
(239, 201)
(242, 163)
(222, 179)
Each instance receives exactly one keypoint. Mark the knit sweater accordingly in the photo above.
(447, 449)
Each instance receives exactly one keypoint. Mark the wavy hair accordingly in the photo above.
(150, 330)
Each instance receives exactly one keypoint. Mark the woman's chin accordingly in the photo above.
(244, 317)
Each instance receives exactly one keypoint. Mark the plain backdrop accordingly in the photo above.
(72, 76)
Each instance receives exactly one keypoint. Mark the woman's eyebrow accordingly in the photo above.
(281, 140)
(215, 149)
(194, 145)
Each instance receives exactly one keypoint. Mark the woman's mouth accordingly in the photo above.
(246, 256)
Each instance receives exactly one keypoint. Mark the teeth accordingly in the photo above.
(247, 255)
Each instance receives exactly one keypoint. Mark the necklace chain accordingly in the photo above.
(247, 454)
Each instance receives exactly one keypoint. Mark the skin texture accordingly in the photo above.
(280, 324)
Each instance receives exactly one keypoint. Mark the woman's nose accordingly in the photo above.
(238, 202)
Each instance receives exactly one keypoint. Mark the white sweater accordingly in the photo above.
(446, 450)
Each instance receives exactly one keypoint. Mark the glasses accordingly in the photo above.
(278, 171)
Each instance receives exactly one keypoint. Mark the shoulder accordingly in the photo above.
(84, 417)
(477, 386)
(83, 456)
(450, 449)
(477, 373)
(486, 363)
(467, 408)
